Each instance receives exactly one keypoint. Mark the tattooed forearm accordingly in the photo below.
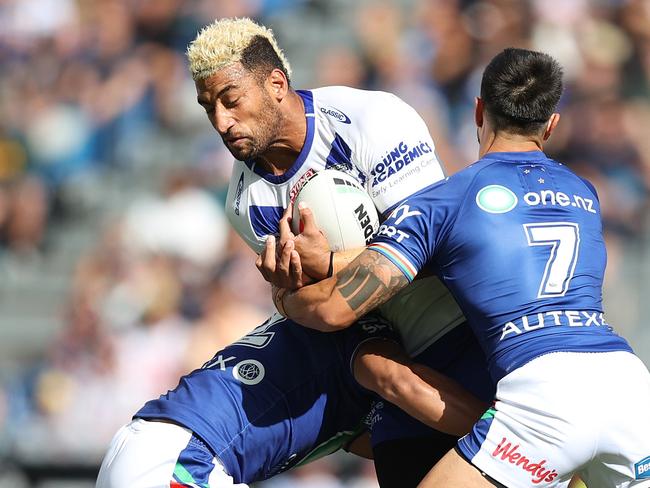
(360, 289)
(369, 281)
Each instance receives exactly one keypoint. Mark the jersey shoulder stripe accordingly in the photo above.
(396, 257)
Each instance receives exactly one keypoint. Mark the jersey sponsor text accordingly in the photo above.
(550, 197)
(507, 452)
(365, 222)
(570, 318)
(397, 159)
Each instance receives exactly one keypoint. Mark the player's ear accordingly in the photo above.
(551, 125)
(277, 84)
(478, 111)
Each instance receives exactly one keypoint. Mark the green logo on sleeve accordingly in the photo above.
(496, 199)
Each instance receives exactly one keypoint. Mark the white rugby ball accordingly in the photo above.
(342, 209)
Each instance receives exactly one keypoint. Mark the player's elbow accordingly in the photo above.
(400, 384)
(382, 367)
(332, 318)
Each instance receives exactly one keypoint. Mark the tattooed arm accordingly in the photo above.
(335, 303)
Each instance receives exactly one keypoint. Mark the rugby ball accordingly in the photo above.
(342, 209)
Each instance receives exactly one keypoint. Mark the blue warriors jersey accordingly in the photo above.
(279, 396)
(517, 238)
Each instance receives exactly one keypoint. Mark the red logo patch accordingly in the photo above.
(537, 470)
(293, 193)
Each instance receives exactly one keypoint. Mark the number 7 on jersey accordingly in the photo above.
(563, 238)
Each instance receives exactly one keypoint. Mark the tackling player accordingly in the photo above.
(279, 397)
(267, 425)
(517, 238)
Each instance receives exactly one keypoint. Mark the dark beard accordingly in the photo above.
(268, 128)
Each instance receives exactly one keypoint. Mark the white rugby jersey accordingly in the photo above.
(383, 143)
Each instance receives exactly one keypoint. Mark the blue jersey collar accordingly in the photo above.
(516, 156)
(308, 102)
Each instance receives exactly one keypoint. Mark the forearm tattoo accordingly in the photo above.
(368, 281)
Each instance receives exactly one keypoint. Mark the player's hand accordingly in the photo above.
(312, 246)
(284, 226)
(281, 268)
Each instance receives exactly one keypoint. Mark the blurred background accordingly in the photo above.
(118, 272)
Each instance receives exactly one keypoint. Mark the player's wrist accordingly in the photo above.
(330, 268)
(324, 269)
(278, 299)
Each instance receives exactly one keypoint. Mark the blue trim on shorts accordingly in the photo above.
(470, 444)
(198, 461)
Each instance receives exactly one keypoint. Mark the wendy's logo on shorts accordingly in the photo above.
(507, 452)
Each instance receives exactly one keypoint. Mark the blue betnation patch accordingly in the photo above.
(642, 469)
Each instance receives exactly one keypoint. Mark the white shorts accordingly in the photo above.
(567, 412)
(148, 454)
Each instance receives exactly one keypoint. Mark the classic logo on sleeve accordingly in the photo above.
(336, 114)
(496, 199)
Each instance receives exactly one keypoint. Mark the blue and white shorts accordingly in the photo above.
(567, 412)
(155, 454)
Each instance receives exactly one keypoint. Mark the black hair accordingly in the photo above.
(520, 90)
(260, 58)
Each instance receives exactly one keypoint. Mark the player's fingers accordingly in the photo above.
(259, 264)
(288, 211)
(268, 255)
(285, 226)
(296, 269)
(285, 259)
(307, 218)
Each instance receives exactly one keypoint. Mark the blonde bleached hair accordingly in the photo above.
(223, 42)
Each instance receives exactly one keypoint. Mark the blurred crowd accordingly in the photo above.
(91, 89)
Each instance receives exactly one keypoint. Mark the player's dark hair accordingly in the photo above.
(520, 90)
(260, 58)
